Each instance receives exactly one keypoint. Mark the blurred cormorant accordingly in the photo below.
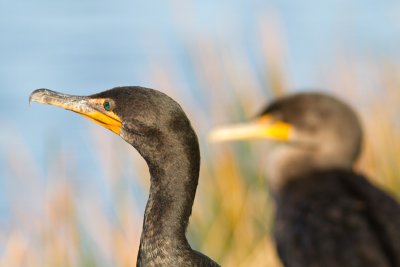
(158, 128)
(327, 215)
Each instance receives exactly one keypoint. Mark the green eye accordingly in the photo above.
(107, 105)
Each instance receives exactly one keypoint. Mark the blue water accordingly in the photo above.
(82, 47)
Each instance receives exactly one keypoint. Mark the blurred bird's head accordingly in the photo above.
(315, 132)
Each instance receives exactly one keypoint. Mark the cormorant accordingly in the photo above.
(158, 128)
(327, 215)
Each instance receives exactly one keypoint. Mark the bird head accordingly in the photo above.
(313, 131)
(146, 118)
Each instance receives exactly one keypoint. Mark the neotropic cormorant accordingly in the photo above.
(158, 128)
(327, 215)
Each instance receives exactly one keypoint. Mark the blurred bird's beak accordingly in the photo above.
(265, 127)
(92, 108)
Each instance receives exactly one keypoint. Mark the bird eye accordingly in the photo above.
(107, 105)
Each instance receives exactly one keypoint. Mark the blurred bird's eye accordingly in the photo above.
(107, 105)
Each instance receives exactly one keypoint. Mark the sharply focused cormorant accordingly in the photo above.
(327, 215)
(158, 128)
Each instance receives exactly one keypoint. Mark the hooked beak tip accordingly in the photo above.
(38, 95)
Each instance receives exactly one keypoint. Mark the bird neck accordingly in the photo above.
(287, 163)
(174, 177)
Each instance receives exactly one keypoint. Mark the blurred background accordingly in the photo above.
(73, 193)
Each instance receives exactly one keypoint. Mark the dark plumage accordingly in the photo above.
(336, 218)
(158, 128)
(326, 214)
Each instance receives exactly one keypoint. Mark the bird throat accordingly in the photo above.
(286, 163)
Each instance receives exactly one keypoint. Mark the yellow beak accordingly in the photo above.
(265, 127)
(91, 108)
